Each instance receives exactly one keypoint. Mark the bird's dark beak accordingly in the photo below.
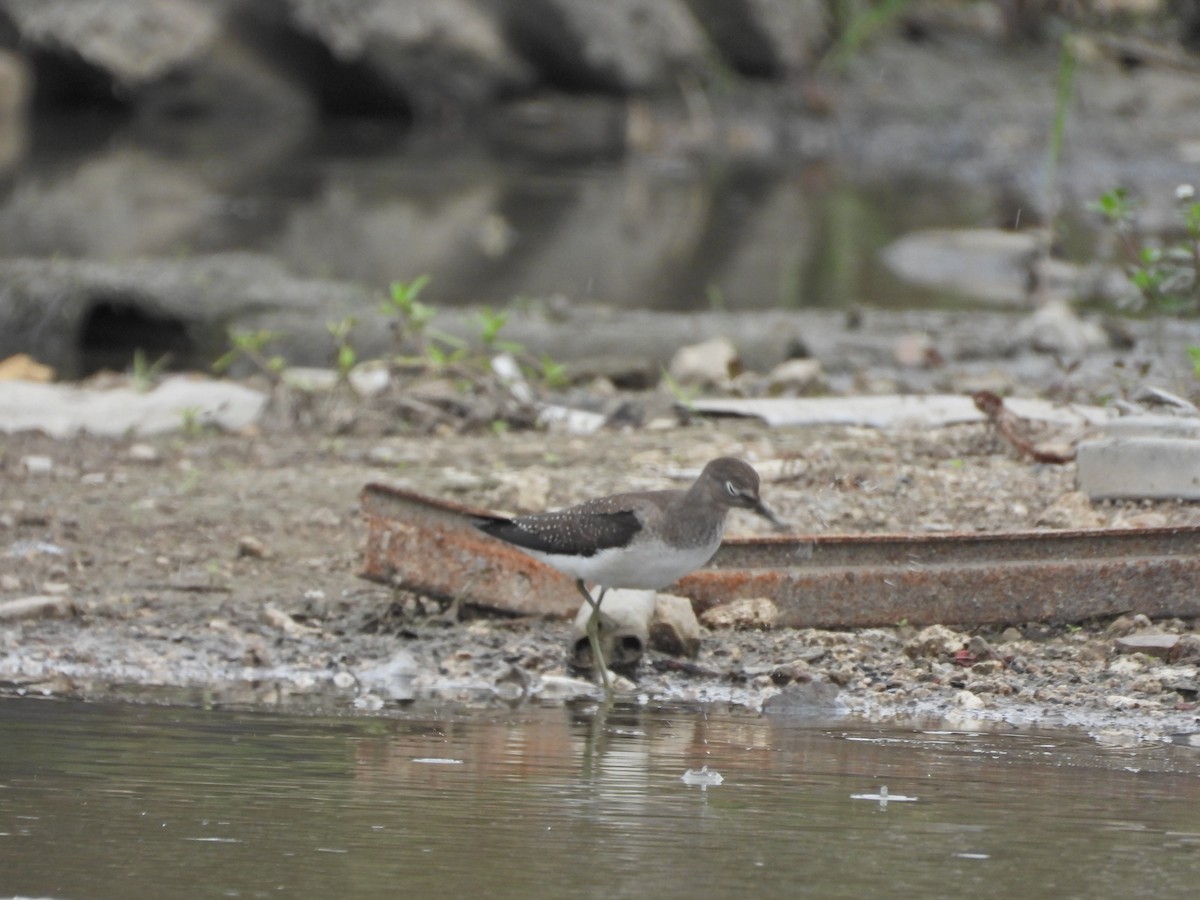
(767, 513)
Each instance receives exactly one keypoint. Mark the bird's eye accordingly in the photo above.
(729, 487)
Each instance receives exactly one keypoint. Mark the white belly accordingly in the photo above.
(649, 565)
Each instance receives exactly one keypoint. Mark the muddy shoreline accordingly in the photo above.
(211, 568)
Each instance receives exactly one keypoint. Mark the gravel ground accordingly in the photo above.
(209, 568)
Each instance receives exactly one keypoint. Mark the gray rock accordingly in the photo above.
(163, 56)
(765, 38)
(1057, 328)
(133, 41)
(181, 306)
(440, 55)
(618, 45)
(1152, 644)
(995, 265)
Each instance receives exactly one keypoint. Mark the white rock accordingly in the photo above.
(675, 628)
(142, 453)
(37, 465)
(41, 606)
(968, 700)
(743, 613)
(797, 376)
(708, 364)
(61, 410)
(1057, 328)
(1125, 665)
(370, 378)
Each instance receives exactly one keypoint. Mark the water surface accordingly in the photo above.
(111, 800)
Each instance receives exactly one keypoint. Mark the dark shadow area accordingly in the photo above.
(114, 330)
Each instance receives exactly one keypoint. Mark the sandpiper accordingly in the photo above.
(640, 539)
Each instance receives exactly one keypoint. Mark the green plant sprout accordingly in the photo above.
(1165, 274)
(145, 373)
(410, 315)
(553, 374)
(438, 349)
(346, 356)
(251, 346)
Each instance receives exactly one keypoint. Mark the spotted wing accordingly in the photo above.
(576, 532)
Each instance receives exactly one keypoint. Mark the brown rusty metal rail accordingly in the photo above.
(825, 581)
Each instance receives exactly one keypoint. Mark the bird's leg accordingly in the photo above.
(593, 634)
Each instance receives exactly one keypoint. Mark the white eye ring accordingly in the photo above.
(729, 487)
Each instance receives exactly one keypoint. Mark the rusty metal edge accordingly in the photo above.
(829, 581)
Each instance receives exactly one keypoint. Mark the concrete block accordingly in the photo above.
(1146, 467)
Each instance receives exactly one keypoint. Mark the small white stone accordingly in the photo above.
(1125, 665)
(800, 376)
(37, 465)
(143, 453)
(710, 363)
(968, 700)
(370, 378)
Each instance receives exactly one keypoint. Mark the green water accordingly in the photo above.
(132, 801)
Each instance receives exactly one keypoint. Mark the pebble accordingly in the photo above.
(1153, 643)
(37, 465)
(277, 618)
(707, 364)
(1072, 511)
(1125, 665)
(797, 376)
(757, 613)
(968, 700)
(250, 546)
(1141, 520)
(916, 350)
(144, 453)
(1146, 684)
(935, 642)
(674, 628)
(38, 606)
